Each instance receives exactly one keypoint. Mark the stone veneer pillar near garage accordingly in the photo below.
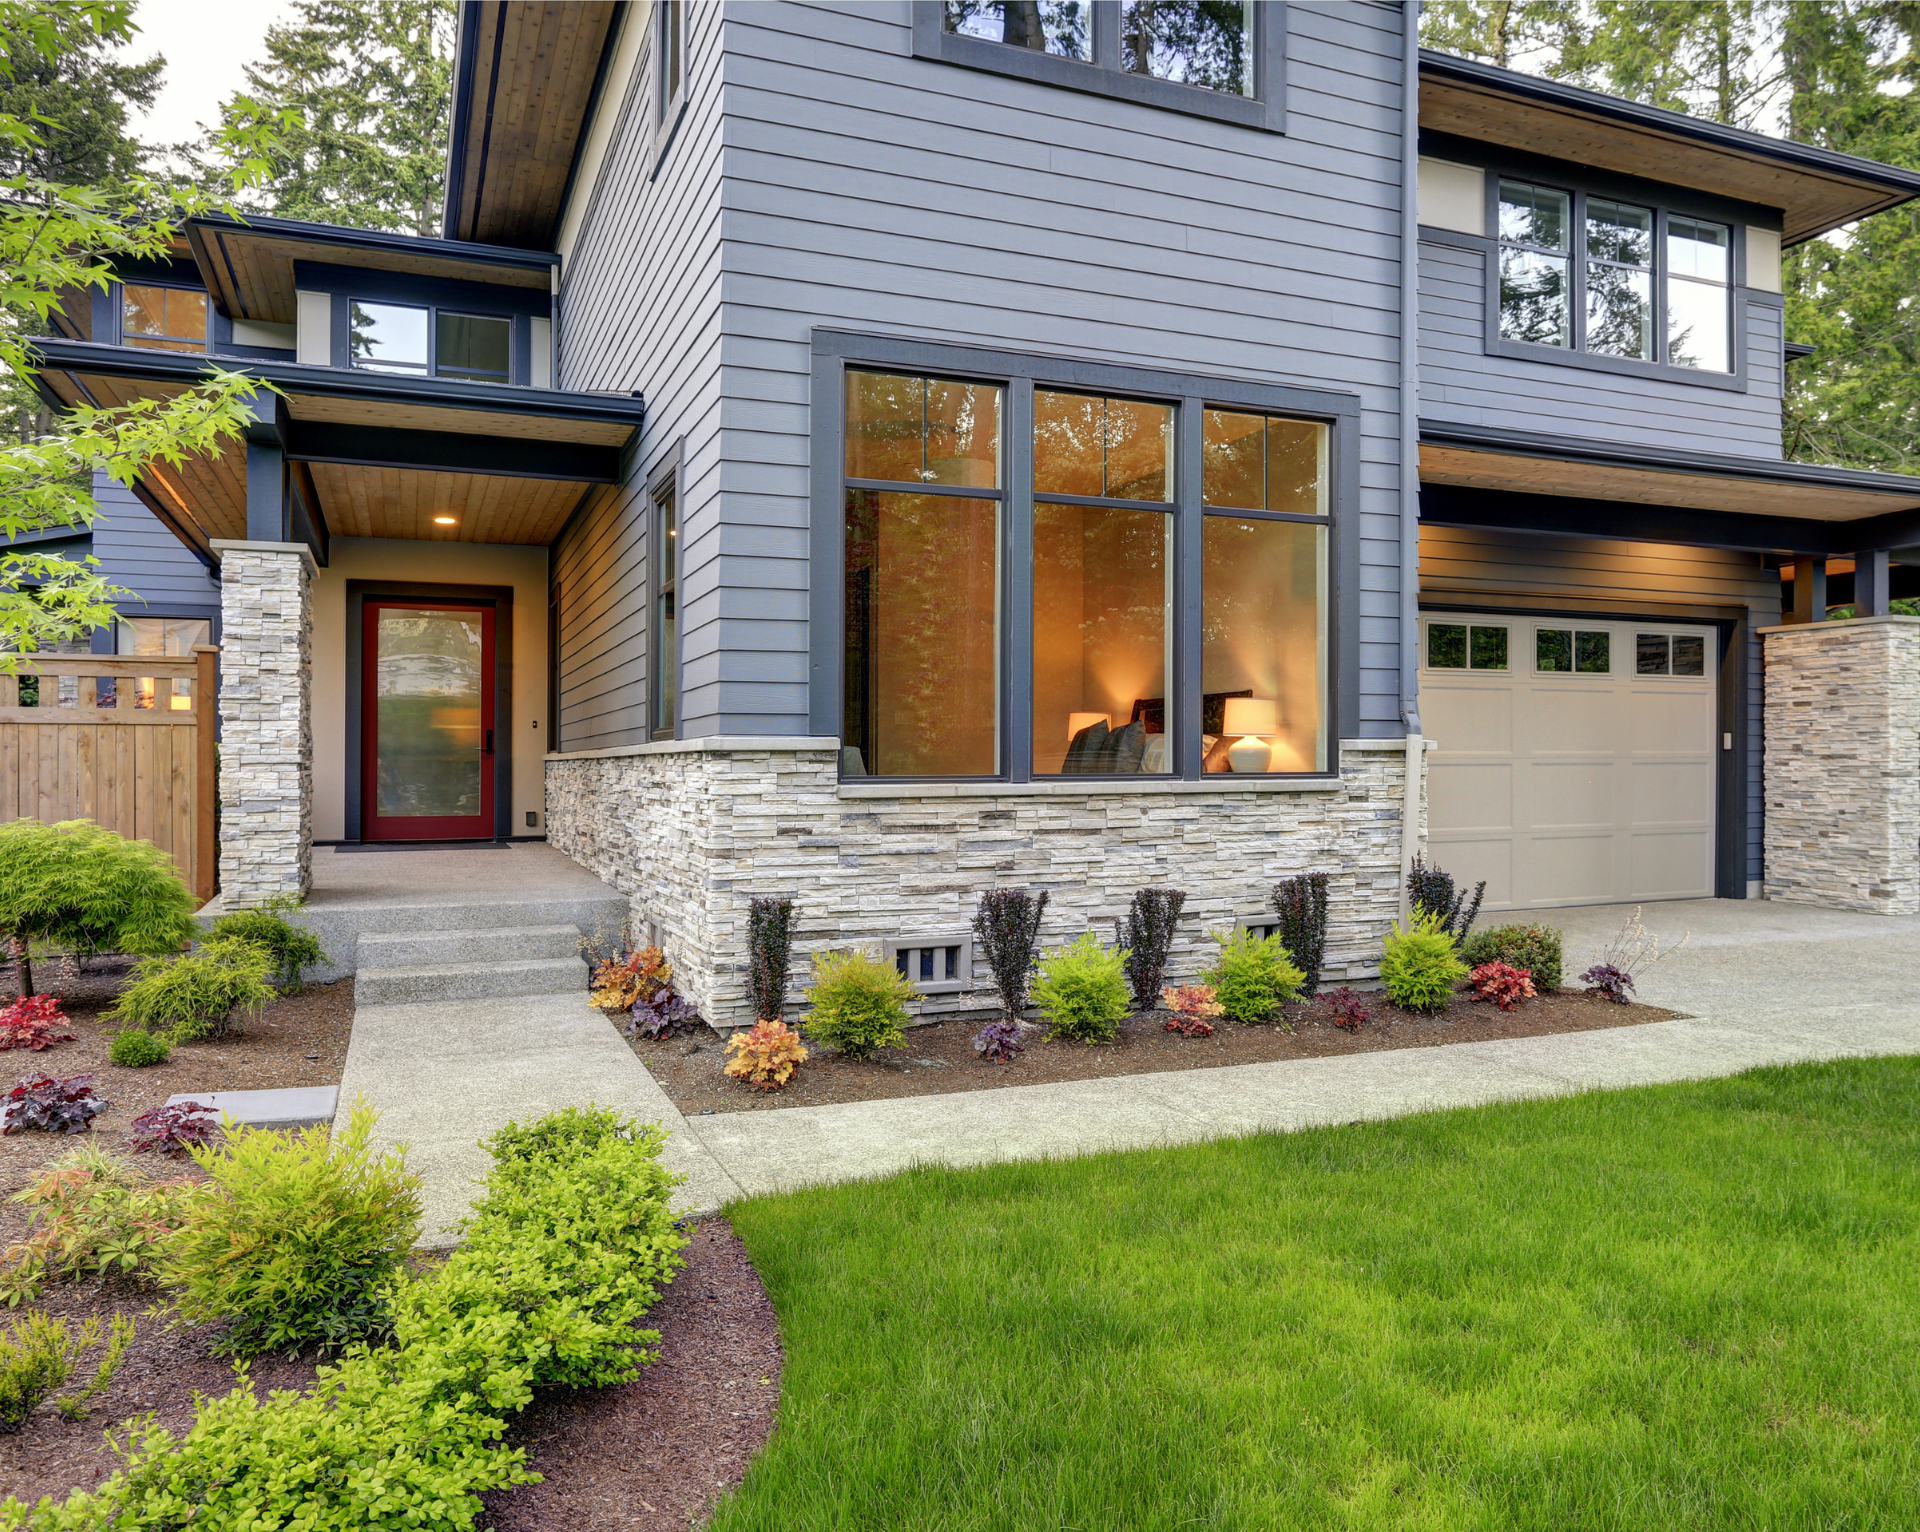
(691, 830)
(1842, 775)
(266, 725)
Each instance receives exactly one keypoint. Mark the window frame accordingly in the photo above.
(669, 105)
(1663, 207)
(666, 479)
(119, 298)
(433, 312)
(1265, 109)
(1019, 374)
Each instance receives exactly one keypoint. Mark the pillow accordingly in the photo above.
(1125, 748)
(1154, 758)
(1083, 754)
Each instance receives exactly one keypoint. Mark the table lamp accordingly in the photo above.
(1078, 721)
(1251, 718)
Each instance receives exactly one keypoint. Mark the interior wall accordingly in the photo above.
(381, 558)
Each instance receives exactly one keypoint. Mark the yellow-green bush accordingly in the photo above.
(1420, 966)
(1252, 976)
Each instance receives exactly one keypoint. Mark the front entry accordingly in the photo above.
(427, 765)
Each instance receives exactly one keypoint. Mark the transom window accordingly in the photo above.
(933, 642)
(1614, 279)
(163, 318)
(442, 343)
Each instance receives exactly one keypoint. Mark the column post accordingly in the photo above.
(266, 727)
(1809, 589)
(1872, 584)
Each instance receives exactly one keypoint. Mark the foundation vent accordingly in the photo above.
(935, 965)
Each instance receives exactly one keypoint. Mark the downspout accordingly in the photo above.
(1410, 440)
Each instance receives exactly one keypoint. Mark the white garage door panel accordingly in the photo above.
(1562, 784)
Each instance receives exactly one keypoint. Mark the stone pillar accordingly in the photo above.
(1842, 776)
(266, 729)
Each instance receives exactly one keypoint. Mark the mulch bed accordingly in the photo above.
(939, 1057)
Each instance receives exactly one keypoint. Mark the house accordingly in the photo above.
(828, 436)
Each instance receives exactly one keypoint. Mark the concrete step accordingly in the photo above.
(470, 981)
(299, 1106)
(457, 949)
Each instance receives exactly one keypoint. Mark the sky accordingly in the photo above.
(208, 44)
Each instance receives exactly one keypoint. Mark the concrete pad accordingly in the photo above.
(296, 1107)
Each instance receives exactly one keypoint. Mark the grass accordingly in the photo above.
(1681, 1307)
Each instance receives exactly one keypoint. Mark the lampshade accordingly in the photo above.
(1078, 721)
(1251, 715)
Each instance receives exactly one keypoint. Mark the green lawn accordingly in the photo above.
(1689, 1306)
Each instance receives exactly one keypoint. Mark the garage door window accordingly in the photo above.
(1678, 654)
(1572, 650)
(1464, 646)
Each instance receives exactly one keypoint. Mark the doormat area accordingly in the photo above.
(940, 1057)
(425, 845)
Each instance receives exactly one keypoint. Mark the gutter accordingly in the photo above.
(1410, 821)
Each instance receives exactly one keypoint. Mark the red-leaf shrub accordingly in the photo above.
(1349, 1007)
(1502, 983)
(33, 1022)
(53, 1106)
(169, 1130)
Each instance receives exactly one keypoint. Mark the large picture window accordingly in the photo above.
(1608, 278)
(1035, 586)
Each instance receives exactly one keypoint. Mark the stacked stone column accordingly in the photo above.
(1842, 778)
(266, 728)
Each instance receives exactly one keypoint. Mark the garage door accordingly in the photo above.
(1575, 760)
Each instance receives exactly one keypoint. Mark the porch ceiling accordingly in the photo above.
(400, 502)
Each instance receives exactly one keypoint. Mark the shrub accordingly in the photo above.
(766, 1054)
(197, 993)
(1534, 948)
(769, 949)
(625, 976)
(1146, 936)
(1083, 990)
(90, 1214)
(1419, 966)
(172, 1130)
(1252, 976)
(293, 948)
(859, 1003)
(1350, 1008)
(1193, 1007)
(1301, 904)
(33, 1022)
(37, 1356)
(78, 1406)
(1502, 983)
(1606, 979)
(661, 1015)
(77, 886)
(1007, 924)
(1001, 1041)
(47, 1105)
(1430, 892)
(563, 1256)
(134, 1049)
(296, 1242)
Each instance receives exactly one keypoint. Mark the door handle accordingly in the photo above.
(489, 749)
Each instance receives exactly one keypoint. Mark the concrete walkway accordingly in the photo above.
(1764, 984)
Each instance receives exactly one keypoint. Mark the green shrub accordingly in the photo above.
(196, 994)
(91, 1214)
(36, 1357)
(859, 1003)
(293, 947)
(77, 886)
(1252, 977)
(299, 1239)
(564, 1254)
(134, 1049)
(1420, 966)
(1083, 990)
(1534, 948)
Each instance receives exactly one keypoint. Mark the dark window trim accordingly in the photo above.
(1020, 373)
(667, 474)
(1266, 109)
(116, 294)
(519, 340)
(500, 597)
(373, 286)
(1734, 381)
(668, 110)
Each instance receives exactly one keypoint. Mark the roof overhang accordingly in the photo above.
(248, 265)
(1523, 482)
(1815, 189)
(527, 74)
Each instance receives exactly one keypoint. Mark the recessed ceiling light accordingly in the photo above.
(445, 521)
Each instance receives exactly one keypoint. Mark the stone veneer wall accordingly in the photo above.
(1842, 773)
(266, 732)
(691, 831)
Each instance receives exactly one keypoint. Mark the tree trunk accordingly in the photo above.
(23, 966)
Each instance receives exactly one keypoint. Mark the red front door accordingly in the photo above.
(427, 762)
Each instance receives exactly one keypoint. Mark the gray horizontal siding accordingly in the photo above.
(1459, 382)
(1462, 566)
(137, 551)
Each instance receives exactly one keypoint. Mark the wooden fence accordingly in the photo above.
(123, 749)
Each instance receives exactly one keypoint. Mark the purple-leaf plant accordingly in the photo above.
(169, 1130)
(1604, 979)
(659, 1017)
(1000, 1041)
(48, 1105)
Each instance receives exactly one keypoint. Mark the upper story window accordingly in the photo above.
(1062, 27)
(163, 318)
(1196, 42)
(1610, 278)
(427, 342)
(673, 52)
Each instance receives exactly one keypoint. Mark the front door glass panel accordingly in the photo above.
(429, 746)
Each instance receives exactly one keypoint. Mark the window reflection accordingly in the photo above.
(1263, 646)
(1265, 463)
(163, 318)
(174, 636)
(1119, 449)
(1064, 27)
(923, 430)
(388, 337)
(1100, 598)
(1208, 43)
(474, 346)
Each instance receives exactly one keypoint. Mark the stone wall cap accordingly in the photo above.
(1835, 624)
(1082, 788)
(221, 545)
(712, 744)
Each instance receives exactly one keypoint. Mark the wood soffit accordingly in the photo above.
(529, 78)
(1811, 200)
(1469, 468)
